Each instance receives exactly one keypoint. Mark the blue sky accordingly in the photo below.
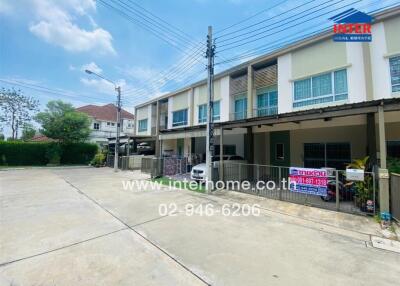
(49, 43)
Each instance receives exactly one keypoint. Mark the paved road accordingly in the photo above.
(80, 227)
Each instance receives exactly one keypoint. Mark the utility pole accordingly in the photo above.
(210, 92)
(118, 89)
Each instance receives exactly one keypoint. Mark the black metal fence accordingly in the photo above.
(395, 196)
(110, 161)
(273, 182)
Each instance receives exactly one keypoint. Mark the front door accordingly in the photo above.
(280, 148)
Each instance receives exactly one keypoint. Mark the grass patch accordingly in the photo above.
(181, 184)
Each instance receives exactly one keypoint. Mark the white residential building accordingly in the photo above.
(104, 122)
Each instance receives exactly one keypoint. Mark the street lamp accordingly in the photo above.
(118, 90)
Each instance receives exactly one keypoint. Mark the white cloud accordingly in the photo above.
(92, 67)
(100, 85)
(103, 86)
(140, 73)
(5, 8)
(55, 25)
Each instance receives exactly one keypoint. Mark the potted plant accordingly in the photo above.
(98, 160)
(364, 189)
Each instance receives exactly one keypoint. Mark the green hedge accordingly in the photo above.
(36, 154)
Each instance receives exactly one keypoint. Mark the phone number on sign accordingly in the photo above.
(234, 209)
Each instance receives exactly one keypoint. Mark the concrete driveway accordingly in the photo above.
(79, 226)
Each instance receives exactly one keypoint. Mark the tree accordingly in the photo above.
(28, 131)
(16, 109)
(61, 121)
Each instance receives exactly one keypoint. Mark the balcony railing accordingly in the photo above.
(238, 115)
(265, 111)
(179, 123)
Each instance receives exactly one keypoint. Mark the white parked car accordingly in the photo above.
(199, 172)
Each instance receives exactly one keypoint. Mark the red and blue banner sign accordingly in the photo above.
(352, 26)
(308, 181)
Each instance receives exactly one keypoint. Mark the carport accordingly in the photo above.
(374, 120)
(128, 144)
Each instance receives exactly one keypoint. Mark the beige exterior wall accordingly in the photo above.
(199, 98)
(393, 131)
(392, 35)
(169, 145)
(317, 58)
(217, 90)
(355, 135)
(142, 113)
(392, 127)
(369, 85)
(187, 147)
(180, 101)
(200, 95)
(261, 148)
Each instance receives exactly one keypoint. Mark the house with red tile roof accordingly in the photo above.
(104, 122)
(41, 138)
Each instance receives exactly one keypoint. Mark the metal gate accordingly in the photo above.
(344, 196)
(395, 196)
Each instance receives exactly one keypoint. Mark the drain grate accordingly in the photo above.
(386, 244)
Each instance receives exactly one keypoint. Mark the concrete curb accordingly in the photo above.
(44, 167)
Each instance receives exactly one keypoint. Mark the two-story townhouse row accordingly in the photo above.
(287, 107)
(104, 122)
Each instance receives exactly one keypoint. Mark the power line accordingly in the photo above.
(266, 20)
(175, 69)
(250, 17)
(167, 38)
(193, 78)
(285, 29)
(152, 21)
(166, 74)
(169, 74)
(167, 79)
(196, 73)
(264, 48)
(268, 27)
(162, 20)
(45, 89)
(286, 42)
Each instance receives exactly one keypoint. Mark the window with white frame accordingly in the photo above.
(240, 108)
(395, 73)
(179, 118)
(267, 102)
(142, 125)
(202, 116)
(96, 126)
(216, 111)
(327, 87)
